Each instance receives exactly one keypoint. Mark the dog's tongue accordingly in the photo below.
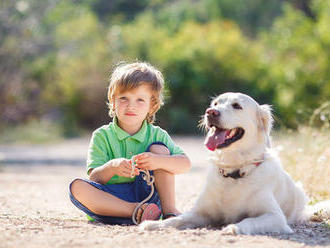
(215, 138)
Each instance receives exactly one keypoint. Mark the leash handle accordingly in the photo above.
(150, 181)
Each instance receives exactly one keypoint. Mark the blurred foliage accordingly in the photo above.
(56, 56)
(297, 57)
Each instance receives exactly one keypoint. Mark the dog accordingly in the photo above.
(246, 190)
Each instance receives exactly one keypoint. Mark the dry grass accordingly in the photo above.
(305, 156)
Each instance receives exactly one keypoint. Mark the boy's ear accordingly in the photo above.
(265, 118)
(153, 108)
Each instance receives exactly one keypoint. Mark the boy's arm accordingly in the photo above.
(118, 166)
(175, 164)
(102, 174)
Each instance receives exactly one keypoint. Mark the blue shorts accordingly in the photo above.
(136, 191)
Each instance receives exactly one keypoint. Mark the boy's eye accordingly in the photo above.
(123, 98)
(141, 100)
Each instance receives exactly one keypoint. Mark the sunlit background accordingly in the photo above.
(56, 57)
(55, 60)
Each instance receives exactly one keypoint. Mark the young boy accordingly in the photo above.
(114, 189)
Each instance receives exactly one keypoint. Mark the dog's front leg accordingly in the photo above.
(184, 221)
(270, 222)
(271, 219)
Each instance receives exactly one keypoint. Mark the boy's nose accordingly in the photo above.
(131, 105)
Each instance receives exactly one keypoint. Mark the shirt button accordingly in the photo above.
(131, 153)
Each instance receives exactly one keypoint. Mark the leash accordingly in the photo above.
(150, 181)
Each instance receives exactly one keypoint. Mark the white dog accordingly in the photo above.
(246, 188)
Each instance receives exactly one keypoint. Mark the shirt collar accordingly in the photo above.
(121, 134)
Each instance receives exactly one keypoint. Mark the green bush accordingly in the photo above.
(297, 57)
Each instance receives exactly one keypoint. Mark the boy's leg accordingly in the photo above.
(165, 183)
(100, 202)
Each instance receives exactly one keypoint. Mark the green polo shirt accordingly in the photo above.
(110, 142)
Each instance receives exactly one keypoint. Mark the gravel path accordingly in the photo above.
(35, 210)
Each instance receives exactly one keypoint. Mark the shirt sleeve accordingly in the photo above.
(97, 152)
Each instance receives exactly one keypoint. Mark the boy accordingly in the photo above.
(135, 95)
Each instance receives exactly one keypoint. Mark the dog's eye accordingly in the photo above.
(215, 104)
(236, 106)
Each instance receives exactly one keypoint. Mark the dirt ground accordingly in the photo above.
(35, 210)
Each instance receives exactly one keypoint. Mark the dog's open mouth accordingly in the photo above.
(219, 138)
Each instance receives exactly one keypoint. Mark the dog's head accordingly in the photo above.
(237, 122)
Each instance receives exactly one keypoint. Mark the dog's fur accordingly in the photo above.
(265, 198)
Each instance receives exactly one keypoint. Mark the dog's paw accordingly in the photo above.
(235, 229)
(231, 229)
(286, 229)
(150, 225)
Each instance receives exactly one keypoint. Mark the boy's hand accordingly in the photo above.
(146, 161)
(123, 167)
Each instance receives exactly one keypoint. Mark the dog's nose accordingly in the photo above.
(212, 112)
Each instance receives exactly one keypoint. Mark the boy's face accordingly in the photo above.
(132, 107)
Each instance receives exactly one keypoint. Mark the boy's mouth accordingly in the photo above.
(130, 114)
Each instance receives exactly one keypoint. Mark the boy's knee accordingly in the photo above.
(159, 149)
(77, 186)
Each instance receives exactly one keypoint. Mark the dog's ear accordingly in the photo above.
(265, 120)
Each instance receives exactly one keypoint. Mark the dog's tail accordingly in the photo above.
(318, 212)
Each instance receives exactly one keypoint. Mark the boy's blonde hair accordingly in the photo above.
(128, 76)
